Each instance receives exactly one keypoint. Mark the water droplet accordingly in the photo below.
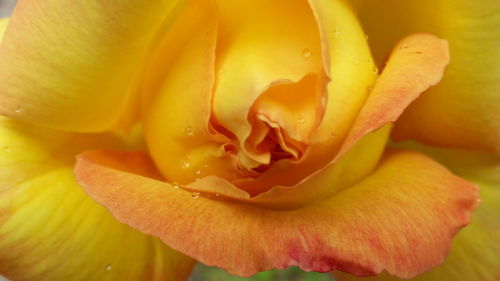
(195, 195)
(189, 131)
(18, 110)
(108, 267)
(198, 172)
(205, 166)
(366, 37)
(217, 194)
(375, 69)
(404, 46)
(301, 119)
(176, 186)
(186, 165)
(336, 32)
(306, 53)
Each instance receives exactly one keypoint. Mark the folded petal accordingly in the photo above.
(71, 64)
(400, 219)
(475, 252)
(416, 63)
(51, 230)
(463, 110)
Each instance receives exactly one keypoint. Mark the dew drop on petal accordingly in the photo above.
(195, 195)
(108, 267)
(306, 53)
(369, 90)
(189, 131)
(18, 110)
(375, 69)
(198, 172)
(186, 165)
(301, 119)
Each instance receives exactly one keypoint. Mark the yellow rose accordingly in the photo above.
(248, 135)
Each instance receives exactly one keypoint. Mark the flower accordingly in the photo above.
(261, 139)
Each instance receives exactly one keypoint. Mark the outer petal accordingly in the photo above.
(475, 253)
(463, 110)
(71, 64)
(400, 219)
(50, 230)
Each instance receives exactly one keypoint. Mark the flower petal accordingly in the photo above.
(3, 26)
(185, 65)
(463, 110)
(51, 230)
(71, 64)
(475, 252)
(416, 63)
(401, 218)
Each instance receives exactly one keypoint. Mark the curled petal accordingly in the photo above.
(475, 252)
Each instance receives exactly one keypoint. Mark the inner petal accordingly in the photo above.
(260, 42)
(284, 119)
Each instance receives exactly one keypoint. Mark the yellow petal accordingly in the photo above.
(348, 62)
(177, 117)
(475, 252)
(51, 230)
(3, 26)
(251, 57)
(463, 110)
(71, 64)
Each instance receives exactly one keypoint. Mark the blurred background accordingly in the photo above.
(6, 7)
(205, 273)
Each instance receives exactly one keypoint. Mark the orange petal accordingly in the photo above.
(416, 63)
(475, 252)
(400, 219)
(71, 64)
